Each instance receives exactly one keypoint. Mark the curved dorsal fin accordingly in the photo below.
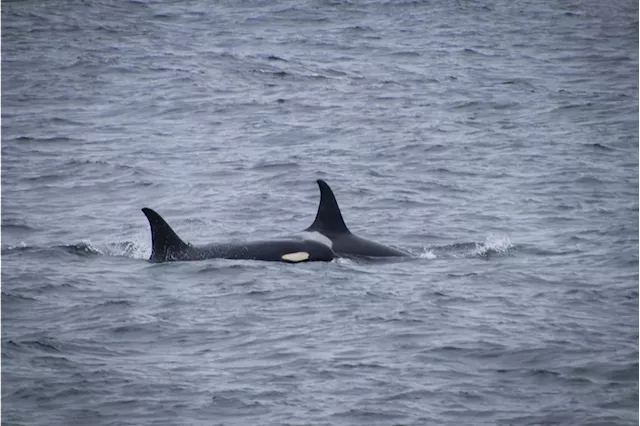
(165, 243)
(328, 219)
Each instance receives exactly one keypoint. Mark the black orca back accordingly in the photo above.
(167, 246)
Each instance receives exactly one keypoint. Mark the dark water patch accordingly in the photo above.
(633, 294)
(41, 140)
(146, 329)
(54, 288)
(269, 165)
(469, 274)
(470, 51)
(543, 372)
(116, 304)
(590, 180)
(371, 415)
(225, 404)
(9, 298)
(10, 349)
(457, 173)
(47, 178)
(301, 14)
(296, 75)
(228, 267)
(607, 372)
(259, 294)
(412, 395)
(30, 347)
(16, 224)
(539, 251)
(44, 345)
(57, 362)
(620, 402)
(359, 28)
(276, 58)
(9, 250)
(600, 147)
(92, 164)
(585, 106)
(406, 54)
(165, 16)
(407, 201)
(280, 73)
(360, 366)
(65, 121)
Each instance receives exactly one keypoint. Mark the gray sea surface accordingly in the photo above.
(497, 141)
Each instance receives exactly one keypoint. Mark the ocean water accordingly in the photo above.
(495, 140)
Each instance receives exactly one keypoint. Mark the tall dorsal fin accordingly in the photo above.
(165, 243)
(328, 219)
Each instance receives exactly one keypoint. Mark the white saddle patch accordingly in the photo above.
(317, 237)
(299, 256)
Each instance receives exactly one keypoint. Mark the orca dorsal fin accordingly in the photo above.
(328, 219)
(165, 243)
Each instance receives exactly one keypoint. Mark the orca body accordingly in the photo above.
(168, 247)
(332, 230)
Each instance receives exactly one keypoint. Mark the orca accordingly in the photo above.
(168, 247)
(329, 228)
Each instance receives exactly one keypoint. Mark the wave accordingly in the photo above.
(494, 244)
(44, 140)
(16, 225)
(600, 146)
(126, 249)
(120, 249)
(9, 297)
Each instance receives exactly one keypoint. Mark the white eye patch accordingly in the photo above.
(296, 257)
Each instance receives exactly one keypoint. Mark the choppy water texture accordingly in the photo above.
(497, 141)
